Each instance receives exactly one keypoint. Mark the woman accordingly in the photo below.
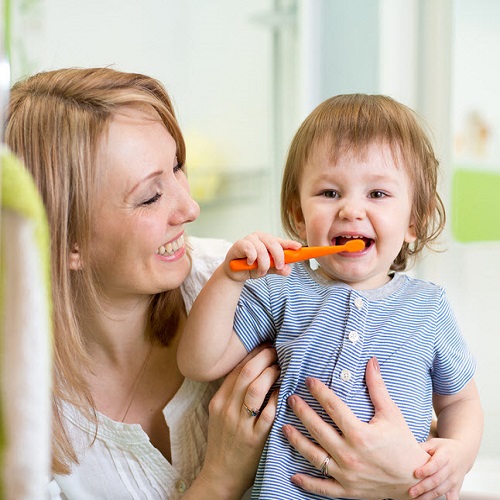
(107, 154)
(108, 157)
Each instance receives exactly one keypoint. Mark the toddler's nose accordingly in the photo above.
(352, 211)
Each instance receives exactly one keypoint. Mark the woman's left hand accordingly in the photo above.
(236, 436)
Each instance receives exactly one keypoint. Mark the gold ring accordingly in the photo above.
(252, 413)
(324, 466)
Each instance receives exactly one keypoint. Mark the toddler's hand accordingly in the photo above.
(259, 247)
(443, 474)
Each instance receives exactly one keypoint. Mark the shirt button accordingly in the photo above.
(180, 486)
(353, 336)
(358, 302)
(345, 375)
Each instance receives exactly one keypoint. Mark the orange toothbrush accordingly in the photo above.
(303, 253)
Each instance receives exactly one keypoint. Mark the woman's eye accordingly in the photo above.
(178, 167)
(377, 194)
(330, 193)
(152, 200)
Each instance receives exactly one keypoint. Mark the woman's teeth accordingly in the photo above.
(172, 247)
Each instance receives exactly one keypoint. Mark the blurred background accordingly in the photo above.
(243, 75)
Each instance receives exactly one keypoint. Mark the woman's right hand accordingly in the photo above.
(236, 438)
(369, 460)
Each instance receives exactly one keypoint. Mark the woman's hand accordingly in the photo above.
(368, 460)
(235, 437)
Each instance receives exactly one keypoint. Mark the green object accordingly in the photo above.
(476, 205)
(19, 196)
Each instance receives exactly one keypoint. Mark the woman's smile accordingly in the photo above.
(172, 248)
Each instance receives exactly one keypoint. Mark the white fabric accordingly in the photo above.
(25, 337)
(26, 364)
(122, 463)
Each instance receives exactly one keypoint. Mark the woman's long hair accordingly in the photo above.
(55, 122)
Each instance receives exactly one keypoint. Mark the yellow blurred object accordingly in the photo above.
(204, 161)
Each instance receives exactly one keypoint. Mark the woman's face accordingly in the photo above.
(143, 205)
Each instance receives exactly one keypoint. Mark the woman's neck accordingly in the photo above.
(119, 331)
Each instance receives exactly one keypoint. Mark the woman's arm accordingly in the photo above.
(369, 460)
(236, 439)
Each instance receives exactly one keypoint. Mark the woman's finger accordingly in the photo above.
(243, 391)
(322, 432)
(327, 487)
(259, 388)
(268, 413)
(313, 453)
(339, 412)
(231, 378)
(377, 389)
(247, 372)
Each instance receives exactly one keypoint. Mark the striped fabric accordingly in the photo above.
(330, 331)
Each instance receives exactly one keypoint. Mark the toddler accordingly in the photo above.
(360, 167)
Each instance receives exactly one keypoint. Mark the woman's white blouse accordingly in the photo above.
(121, 463)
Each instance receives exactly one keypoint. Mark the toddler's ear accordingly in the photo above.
(411, 233)
(75, 262)
(298, 220)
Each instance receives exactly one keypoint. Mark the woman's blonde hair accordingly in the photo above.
(55, 122)
(349, 124)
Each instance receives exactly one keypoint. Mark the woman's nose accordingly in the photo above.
(187, 210)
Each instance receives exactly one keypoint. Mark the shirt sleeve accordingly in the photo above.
(253, 321)
(454, 365)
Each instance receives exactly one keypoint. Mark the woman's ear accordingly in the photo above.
(75, 262)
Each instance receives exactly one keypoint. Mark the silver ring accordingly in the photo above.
(251, 413)
(324, 466)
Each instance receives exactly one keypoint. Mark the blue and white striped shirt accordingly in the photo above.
(328, 330)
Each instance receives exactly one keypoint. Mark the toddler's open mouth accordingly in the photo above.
(342, 240)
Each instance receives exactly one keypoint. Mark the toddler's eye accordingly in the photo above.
(330, 193)
(377, 194)
(152, 200)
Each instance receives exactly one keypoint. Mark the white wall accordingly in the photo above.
(474, 273)
(213, 58)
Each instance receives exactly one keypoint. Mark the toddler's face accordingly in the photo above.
(365, 196)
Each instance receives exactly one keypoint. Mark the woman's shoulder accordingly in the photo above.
(206, 255)
(208, 250)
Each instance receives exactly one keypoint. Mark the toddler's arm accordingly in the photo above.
(460, 428)
(208, 348)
